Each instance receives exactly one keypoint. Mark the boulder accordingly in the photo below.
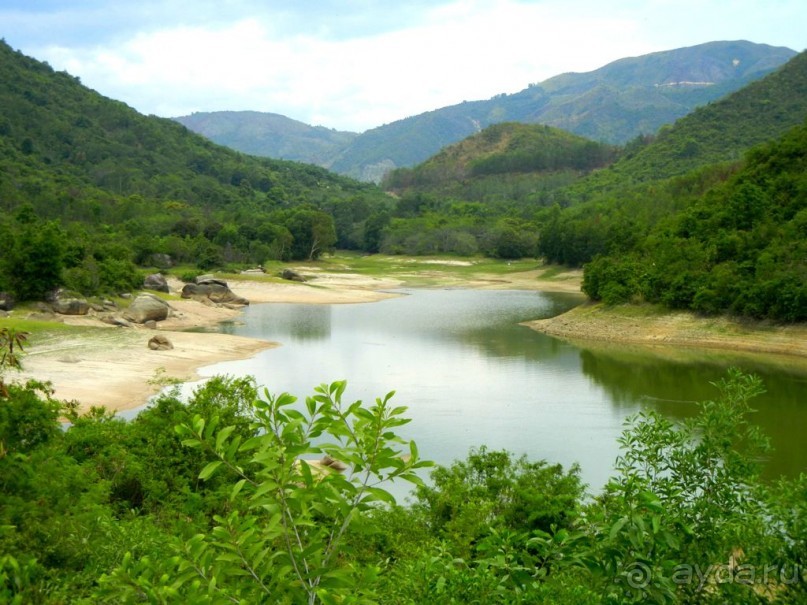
(150, 324)
(6, 301)
(114, 320)
(71, 306)
(291, 275)
(160, 343)
(156, 281)
(332, 463)
(255, 271)
(214, 292)
(145, 307)
(161, 260)
(209, 280)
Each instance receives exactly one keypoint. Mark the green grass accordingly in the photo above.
(34, 326)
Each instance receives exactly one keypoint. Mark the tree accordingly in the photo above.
(32, 263)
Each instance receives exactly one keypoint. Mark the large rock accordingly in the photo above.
(291, 275)
(160, 343)
(214, 292)
(145, 307)
(210, 280)
(114, 320)
(6, 301)
(156, 281)
(70, 306)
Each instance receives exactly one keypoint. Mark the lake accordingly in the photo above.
(470, 375)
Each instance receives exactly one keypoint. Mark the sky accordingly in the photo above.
(357, 64)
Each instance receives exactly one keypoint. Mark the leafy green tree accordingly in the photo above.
(492, 490)
(684, 496)
(33, 260)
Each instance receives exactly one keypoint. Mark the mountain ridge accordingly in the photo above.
(614, 104)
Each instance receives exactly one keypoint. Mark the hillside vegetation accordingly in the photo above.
(111, 187)
(623, 214)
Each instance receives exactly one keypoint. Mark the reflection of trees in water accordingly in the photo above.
(284, 321)
(671, 386)
(516, 342)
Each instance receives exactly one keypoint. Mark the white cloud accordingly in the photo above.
(461, 50)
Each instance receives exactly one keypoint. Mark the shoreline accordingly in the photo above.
(101, 365)
(626, 325)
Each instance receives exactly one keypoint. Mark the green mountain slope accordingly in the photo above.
(611, 208)
(741, 247)
(498, 153)
(269, 135)
(613, 104)
(124, 187)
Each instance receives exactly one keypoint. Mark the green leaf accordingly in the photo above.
(617, 527)
(208, 470)
(222, 436)
(237, 488)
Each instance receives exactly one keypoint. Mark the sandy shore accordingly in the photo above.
(101, 365)
(637, 325)
(113, 367)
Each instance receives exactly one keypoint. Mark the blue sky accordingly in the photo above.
(356, 64)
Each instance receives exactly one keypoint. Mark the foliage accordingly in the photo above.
(738, 248)
(218, 499)
(288, 517)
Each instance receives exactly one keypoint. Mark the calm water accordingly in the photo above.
(470, 375)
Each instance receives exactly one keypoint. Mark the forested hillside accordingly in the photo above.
(497, 191)
(741, 247)
(686, 222)
(113, 188)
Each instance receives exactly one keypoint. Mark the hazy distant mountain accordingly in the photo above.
(613, 104)
(270, 135)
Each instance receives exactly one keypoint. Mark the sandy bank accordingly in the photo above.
(640, 326)
(101, 365)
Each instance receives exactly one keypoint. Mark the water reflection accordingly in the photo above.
(470, 375)
(672, 380)
(288, 322)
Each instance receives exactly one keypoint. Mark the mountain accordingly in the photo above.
(269, 135)
(704, 216)
(613, 104)
(94, 186)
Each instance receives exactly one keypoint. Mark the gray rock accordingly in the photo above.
(291, 275)
(6, 301)
(145, 307)
(156, 281)
(71, 306)
(115, 320)
(209, 280)
(163, 261)
(160, 343)
(150, 324)
(213, 292)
